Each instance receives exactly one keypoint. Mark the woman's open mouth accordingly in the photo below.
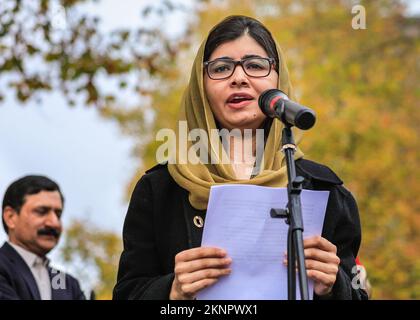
(239, 100)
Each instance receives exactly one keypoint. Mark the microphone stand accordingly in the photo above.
(293, 216)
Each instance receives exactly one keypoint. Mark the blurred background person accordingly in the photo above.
(32, 209)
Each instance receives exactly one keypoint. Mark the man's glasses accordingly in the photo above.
(223, 68)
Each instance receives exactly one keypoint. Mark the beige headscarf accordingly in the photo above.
(197, 179)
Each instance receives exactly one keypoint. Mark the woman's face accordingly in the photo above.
(229, 111)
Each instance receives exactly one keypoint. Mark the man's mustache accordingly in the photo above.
(49, 232)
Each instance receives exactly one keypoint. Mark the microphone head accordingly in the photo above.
(265, 101)
(274, 103)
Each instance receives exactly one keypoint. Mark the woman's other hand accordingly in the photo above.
(321, 263)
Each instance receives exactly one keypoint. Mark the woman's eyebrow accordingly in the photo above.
(225, 57)
(243, 57)
(251, 56)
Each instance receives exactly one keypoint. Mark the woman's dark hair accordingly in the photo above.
(16, 192)
(234, 27)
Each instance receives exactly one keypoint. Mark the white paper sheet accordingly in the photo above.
(238, 220)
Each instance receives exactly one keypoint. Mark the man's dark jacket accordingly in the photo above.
(159, 224)
(18, 283)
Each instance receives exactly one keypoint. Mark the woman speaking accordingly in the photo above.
(162, 257)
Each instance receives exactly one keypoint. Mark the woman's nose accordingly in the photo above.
(239, 77)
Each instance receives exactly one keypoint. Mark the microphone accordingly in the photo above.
(274, 103)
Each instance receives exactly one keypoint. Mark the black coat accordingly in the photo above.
(159, 224)
(18, 283)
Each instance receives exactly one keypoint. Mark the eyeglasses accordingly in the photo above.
(223, 68)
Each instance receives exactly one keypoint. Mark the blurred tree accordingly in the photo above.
(48, 45)
(93, 255)
(363, 84)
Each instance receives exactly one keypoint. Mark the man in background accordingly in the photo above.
(31, 215)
